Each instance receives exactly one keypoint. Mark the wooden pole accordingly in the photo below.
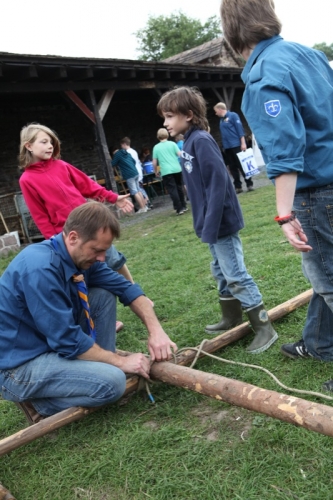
(313, 416)
(5, 494)
(65, 417)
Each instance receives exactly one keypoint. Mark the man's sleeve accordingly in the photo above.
(238, 125)
(278, 128)
(100, 275)
(114, 161)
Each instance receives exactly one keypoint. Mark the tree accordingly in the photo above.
(166, 36)
(327, 49)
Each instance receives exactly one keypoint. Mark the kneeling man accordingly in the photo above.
(54, 354)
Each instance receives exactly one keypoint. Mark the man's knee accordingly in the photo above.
(114, 259)
(112, 388)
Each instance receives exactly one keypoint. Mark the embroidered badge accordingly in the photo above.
(188, 166)
(273, 108)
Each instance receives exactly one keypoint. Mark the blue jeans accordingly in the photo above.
(114, 259)
(53, 383)
(133, 185)
(229, 270)
(314, 209)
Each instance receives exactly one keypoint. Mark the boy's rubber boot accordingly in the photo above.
(231, 315)
(265, 335)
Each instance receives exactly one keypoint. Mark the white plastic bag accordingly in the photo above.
(248, 162)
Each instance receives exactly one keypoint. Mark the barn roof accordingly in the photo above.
(213, 53)
(38, 73)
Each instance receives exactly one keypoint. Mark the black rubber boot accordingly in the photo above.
(231, 315)
(265, 335)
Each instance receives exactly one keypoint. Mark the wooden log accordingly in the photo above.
(50, 424)
(73, 414)
(5, 494)
(313, 416)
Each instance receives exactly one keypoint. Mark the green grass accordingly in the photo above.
(188, 446)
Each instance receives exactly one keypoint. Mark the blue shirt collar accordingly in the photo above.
(60, 249)
(256, 53)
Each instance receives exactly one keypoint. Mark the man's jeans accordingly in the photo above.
(114, 259)
(314, 209)
(229, 270)
(53, 383)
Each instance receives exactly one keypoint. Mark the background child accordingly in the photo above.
(127, 166)
(52, 188)
(165, 154)
(217, 215)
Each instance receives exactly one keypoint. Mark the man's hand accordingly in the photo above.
(295, 235)
(160, 346)
(137, 364)
(124, 203)
(243, 144)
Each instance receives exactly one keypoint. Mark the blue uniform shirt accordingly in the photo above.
(231, 129)
(288, 103)
(39, 305)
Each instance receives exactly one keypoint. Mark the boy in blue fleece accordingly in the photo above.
(217, 215)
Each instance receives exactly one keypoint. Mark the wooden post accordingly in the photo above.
(65, 417)
(5, 494)
(313, 416)
(102, 146)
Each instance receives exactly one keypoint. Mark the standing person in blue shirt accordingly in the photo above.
(233, 142)
(49, 358)
(126, 163)
(288, 103)
(217, 216)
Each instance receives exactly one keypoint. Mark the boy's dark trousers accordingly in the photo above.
(174, 185)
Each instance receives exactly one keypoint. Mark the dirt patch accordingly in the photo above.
(236, 421)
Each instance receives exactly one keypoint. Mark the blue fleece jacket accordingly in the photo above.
(215, 207)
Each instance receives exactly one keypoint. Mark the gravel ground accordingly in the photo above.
(164, 203)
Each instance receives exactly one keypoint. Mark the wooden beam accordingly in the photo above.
(218, 95)
(5, 494)
(81, 105)
(102, 146)
(313, 416)
(104, 102)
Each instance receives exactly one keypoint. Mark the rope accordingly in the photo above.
(200, 350)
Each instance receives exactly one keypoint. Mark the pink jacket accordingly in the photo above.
(53, 188)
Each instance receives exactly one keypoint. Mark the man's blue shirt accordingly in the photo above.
(39, 305)
(231, 129)
(288, 103)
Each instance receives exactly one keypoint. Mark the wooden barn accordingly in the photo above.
(93, 103)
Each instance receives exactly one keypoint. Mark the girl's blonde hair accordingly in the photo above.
(29, 134)
(162, 133)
